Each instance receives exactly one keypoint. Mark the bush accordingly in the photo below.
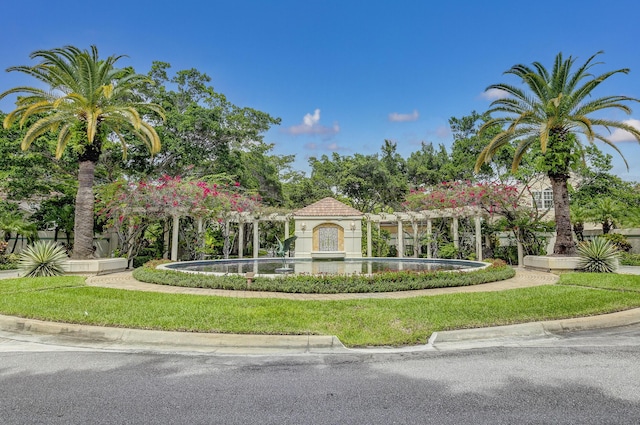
(448, 251)
(629, 259)
(327, 284)
(140, 260)
(42, 259)
(598, 256)
(619, 241)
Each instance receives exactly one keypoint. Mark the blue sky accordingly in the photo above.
(343, 75)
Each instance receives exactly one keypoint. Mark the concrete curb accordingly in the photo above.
(539, 329)
(9, 274)
(123, 338)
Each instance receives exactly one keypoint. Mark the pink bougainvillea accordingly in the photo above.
(171, 195)
(494, 198)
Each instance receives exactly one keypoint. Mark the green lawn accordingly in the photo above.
(364, 322)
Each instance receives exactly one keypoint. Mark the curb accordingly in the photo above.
(539, 329)
(124, 338)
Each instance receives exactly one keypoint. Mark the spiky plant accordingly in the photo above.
(42, 259)
(598, 256)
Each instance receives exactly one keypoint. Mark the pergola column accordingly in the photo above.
(478, 238)
(416, 245)
(286, 229)
(240, 238)
(174, 238)
(520, 254)
(256, 239)
(454, 230)
(429, 233)
(400, 247)
(165, 229)
(369, 245)
(200, 224)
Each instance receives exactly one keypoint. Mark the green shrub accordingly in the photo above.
(140, 260)
(507, 253)
(598, 256)
(448, 251)
(629, 259)
(327, 284)
(619, 241)
(42, 259)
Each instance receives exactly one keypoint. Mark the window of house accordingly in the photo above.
(543, 199)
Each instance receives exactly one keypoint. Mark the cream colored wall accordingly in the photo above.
(349, 235)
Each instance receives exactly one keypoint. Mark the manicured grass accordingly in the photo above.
(365, 322)
(620, 282)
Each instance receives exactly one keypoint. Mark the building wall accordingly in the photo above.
(349, 236)
(104, 244)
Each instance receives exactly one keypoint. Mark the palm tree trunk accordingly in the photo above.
(83, 227)
(565, 244)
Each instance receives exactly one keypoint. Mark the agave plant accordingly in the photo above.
(598, 256)
(42, 259)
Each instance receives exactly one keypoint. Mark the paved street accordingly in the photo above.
(588, 377)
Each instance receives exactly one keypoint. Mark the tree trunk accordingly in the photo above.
(565, 244)
(578, 229)
(83, 227)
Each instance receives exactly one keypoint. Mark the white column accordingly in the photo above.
(369, 245)
(416, 245)
(165, 253)
(240, 238)
(429, 233)
(400, 240)
(454, 230)
(200, 238)
(478, 239)
(520, 254)
(286, 229)
(256, 239)
(174, 238)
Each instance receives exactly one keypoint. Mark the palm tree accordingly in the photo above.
(608, 212)
(556, 109)
(87, 100)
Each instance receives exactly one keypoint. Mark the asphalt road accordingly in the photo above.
(590, 377)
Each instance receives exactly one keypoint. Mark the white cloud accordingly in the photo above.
(311, 125)
(396, 117)
(494, 94)
(619, 135)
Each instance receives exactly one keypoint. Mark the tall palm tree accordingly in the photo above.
(551, 114)
(87, 99)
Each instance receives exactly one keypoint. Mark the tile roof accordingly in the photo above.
(327, 207)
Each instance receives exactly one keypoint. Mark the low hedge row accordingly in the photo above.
(328, 284)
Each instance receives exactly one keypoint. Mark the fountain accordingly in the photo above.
(272, 266)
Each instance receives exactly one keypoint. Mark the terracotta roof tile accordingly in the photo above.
(327, 207)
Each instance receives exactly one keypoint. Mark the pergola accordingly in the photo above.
(416, 219)
(420, 218)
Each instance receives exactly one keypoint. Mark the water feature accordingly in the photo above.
(268, 266)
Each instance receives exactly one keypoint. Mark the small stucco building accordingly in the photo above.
(328, 229)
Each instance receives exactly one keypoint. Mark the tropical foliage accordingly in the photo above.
(43, 258)
(598, 256)
(85, 101)
(557, 107)
(129, 208)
